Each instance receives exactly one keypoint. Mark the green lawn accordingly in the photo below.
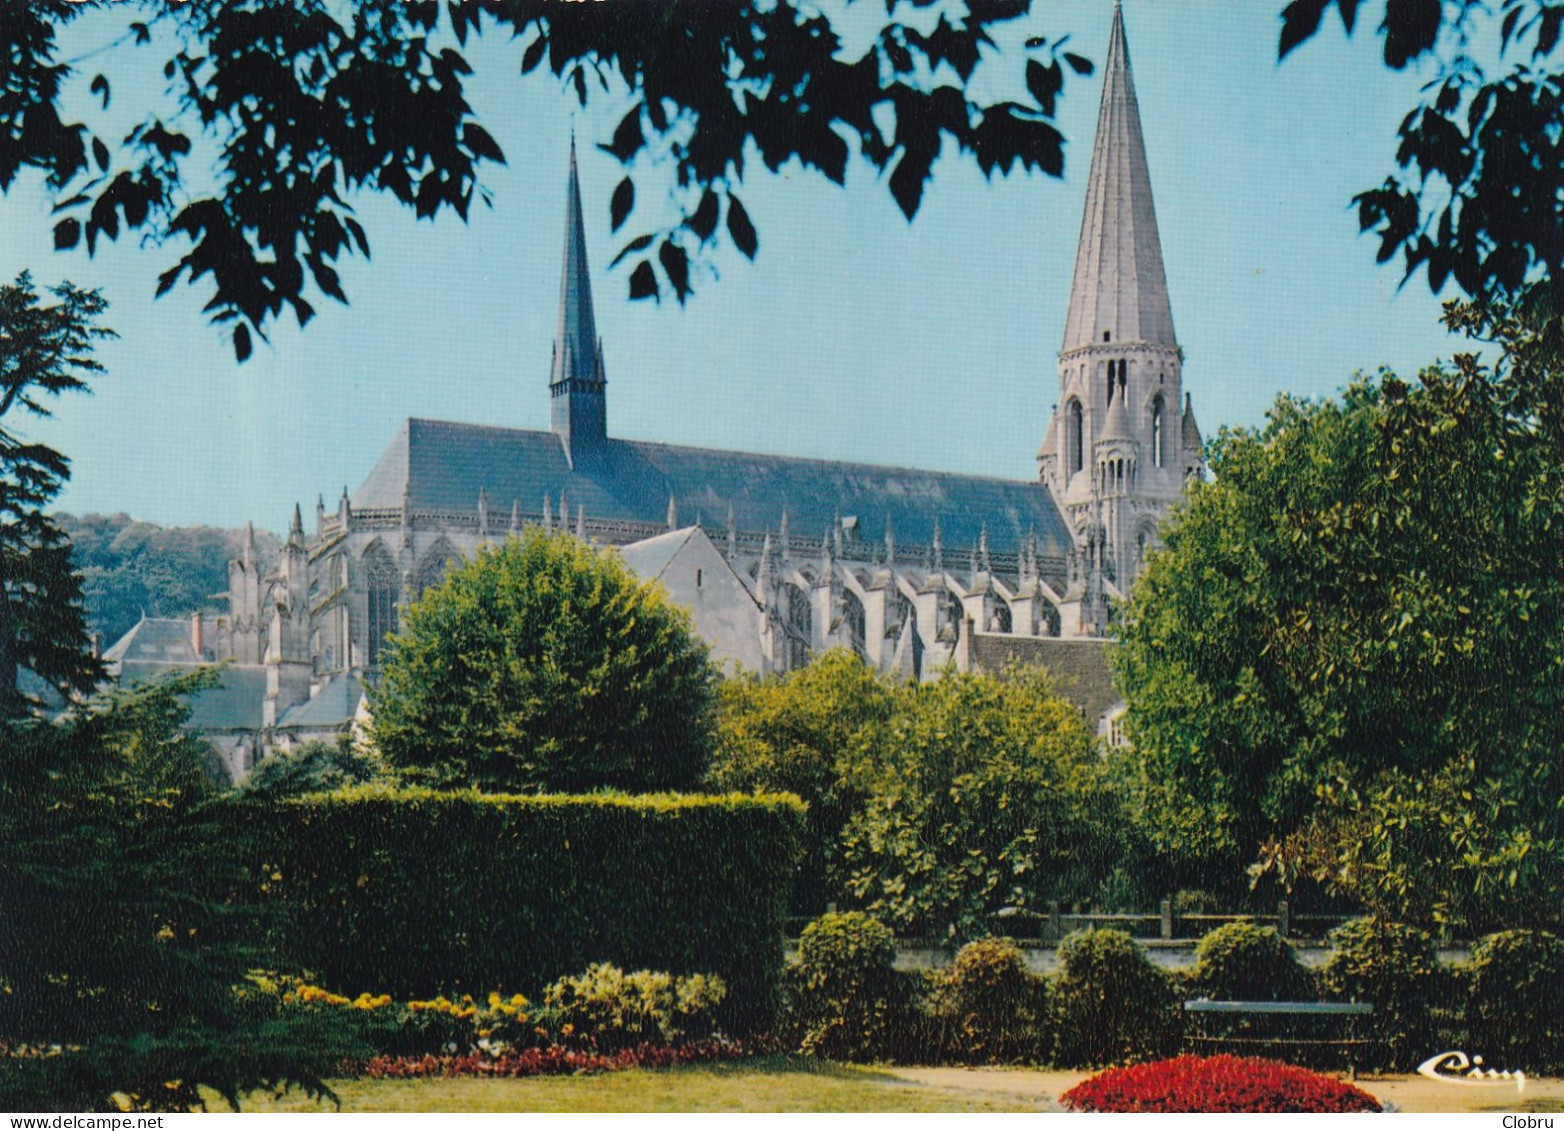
(782, 1083)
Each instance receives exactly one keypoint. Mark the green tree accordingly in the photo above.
(1475, 195)
(314, 767)
(45, 350)
(308, 103)
(818, 732)
(1348, 656)
(543, 664)
(129, 919)
(991, 794)
(130, 568)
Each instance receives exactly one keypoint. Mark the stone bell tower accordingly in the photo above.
(1118, 450)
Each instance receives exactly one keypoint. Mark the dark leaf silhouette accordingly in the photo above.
(740, 228)
(1474, 199)
(640, 243)
(643, 281)
(676, 265)
(621, 204)
(704, 221)
(1411, 28)
(305, 104)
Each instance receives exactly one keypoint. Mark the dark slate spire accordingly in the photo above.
(1120, 286)
(578, 382)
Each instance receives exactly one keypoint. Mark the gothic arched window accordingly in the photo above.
(800, 627)
(898, 615)
(853, 624)
(381, 585)
(1157, 431)
(1049, 619)
(432, 569)
(1074, 442)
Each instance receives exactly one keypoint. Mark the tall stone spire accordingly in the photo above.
(578, 383)
(1114, 455)
(1120, 286)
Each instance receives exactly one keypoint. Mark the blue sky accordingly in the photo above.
(854, 336)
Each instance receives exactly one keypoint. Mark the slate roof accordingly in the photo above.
(233, 705)
(155, 639)
(440, 466)
(650, 556)
(335, 705)
(1079, 667)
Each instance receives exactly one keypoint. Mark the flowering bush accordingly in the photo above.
(554, 1060)
(1216, 1084)
(604, 1009)
(612, 1009)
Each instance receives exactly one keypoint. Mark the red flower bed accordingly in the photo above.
(1216, 1084)
(554, 1060)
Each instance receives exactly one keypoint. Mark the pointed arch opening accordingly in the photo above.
(799, 626)
(1158, 431)
(854, 624)
(382, 584)
(998, 616)
(1049, 621)
(431, 570)
(1074, 436)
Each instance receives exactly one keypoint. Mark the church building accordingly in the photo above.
(778, 558)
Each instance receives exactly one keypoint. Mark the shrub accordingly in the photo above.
(1395, 967)
(1515, 1003)
(610, 1010)
(1216, 1084)
(1245, 962)
(988, 1008)
(601, 1010)
(414, 893)
(1111, 1003)
(847, 1001)
(315, 767)
(1194, 901)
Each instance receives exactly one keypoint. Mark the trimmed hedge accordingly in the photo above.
(1111, 1002)
(412, 892)
(1396, 967)
(846, 1001)
(1243, 961)
(1515, 1002)
(988, 1008)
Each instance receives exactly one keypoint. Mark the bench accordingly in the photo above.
(1349, 1011)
